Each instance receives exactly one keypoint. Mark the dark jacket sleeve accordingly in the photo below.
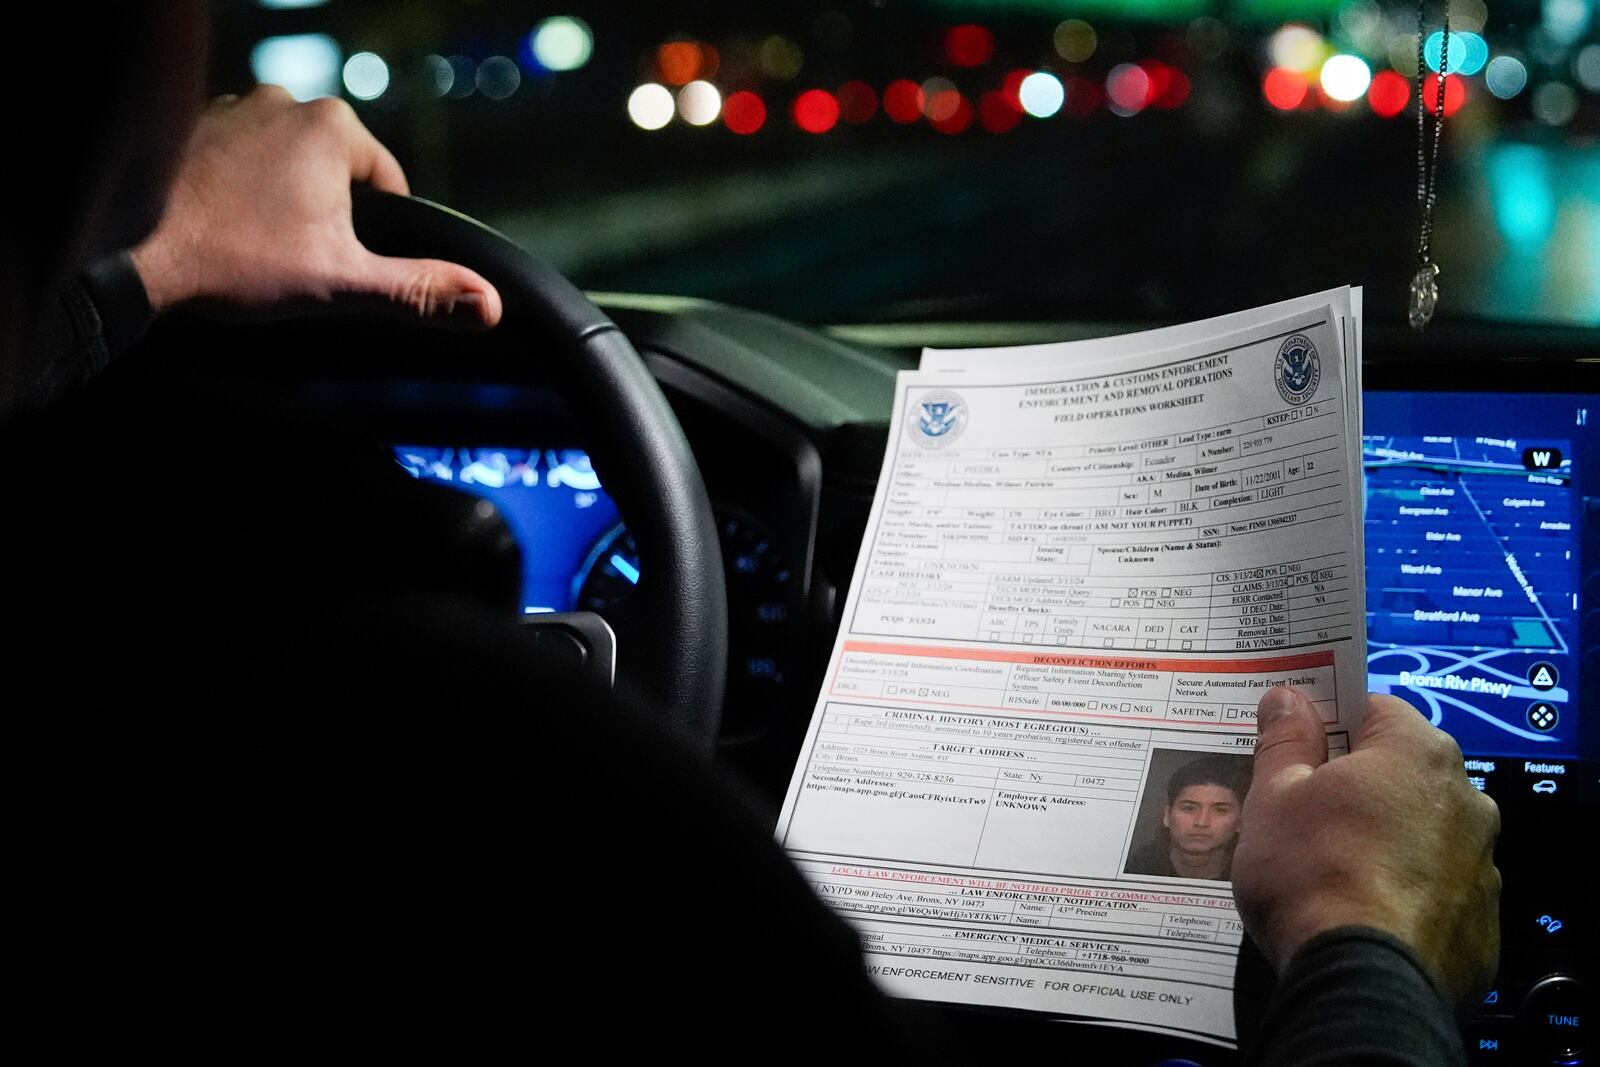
(101, 314)
(1356, 995)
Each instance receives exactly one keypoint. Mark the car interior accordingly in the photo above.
(685, 456)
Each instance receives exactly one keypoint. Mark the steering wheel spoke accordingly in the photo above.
(577, 642)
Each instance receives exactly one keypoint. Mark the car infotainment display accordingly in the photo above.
(1475, 557)
(1477, 560)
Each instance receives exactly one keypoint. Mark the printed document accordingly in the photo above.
(1084, 565)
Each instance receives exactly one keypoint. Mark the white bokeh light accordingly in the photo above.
(366, 76)
(1346, 77)
(651, 106)
(306, 64)
(562, 43)
(699, 103)
(1041, 94)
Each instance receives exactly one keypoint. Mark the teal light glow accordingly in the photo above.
(1524, 200)
(1433, 49)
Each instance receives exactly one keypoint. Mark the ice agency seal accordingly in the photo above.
(938, 419)
(1297, 370)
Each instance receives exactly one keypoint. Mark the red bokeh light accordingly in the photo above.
(968, 45)
(902, 101)
(857, 102)
(743, 112)
(1455, 94)
(1084, 96)
(1160, 76)
(999, 111)
(1011, 86)
(1174, 92)
(1389, 93)
(815, 111)
(1284, 89)
(959, 118)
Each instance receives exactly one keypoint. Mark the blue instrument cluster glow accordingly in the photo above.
(553, 502)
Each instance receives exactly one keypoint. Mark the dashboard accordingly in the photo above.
(1482, 538)
(1481, 448)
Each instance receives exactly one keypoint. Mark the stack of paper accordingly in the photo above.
(1084, 565)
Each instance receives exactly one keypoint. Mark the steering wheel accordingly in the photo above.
(673, 628)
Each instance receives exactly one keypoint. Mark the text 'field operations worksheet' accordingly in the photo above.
(1083, 567)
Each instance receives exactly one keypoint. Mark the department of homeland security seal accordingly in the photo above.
(1297, 370)
(937, 419)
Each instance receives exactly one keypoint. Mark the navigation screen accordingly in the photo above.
(1474, 535)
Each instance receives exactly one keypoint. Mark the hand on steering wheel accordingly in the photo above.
(674, 625)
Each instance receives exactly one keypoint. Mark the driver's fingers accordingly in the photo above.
(374, 164)
(432, 290)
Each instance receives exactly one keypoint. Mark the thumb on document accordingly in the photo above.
(1290, 740)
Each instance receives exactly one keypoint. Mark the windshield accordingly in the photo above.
(885, 160)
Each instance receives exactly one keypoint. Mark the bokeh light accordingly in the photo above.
(1586, 67)
(959, 118)
(1128, 89)
(1297, 47)
(781, 58)
(1468, 52)
(998, 111)
(651, 106)
(902, 101)
(1389, 93)
(1075, 40)
(1554, 103)
(815, 111)
(306, 64)
(1506, 76)
(1174, 89)
(437, 74)
(940, 99)
(969, 45)
(858, 103)
(1041, 94)
(744, 112)
(1475, 54)
(498, 77)
(1362, 21)
(1169, 86)
(1284, 89)
(679, 62)
(1345, 77)
(1565, 21)
(561, 43)
(699, 103)
(366, 76)
(1469, 15)
(1403, 53)
(1455, 94)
